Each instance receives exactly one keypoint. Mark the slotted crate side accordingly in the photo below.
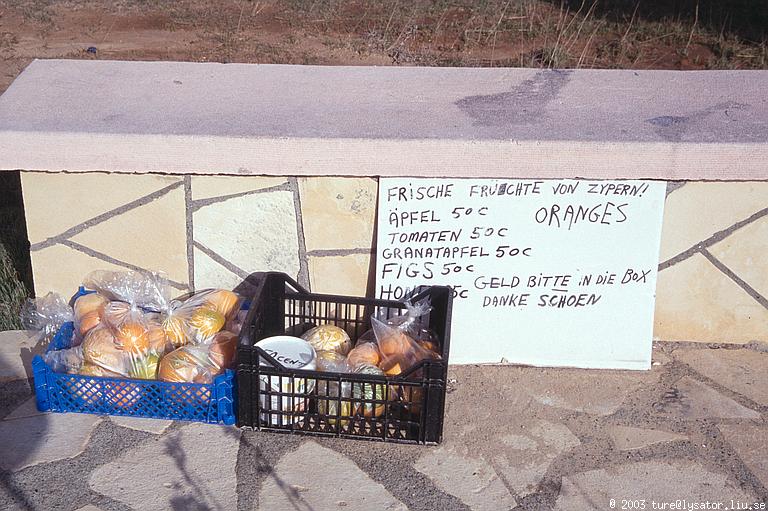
(58, 392)
(296, 310)
(366, 394)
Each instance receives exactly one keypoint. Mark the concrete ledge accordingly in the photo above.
(178, 154)
(182, 118)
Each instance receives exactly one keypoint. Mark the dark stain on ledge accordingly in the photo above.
(672, 127)
(665, 121)
(524, 104)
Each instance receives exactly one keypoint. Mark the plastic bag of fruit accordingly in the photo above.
(198, 317)
(402, 340)
(45, 315)
(128, 339)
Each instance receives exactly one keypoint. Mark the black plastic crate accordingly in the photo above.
(406, 408)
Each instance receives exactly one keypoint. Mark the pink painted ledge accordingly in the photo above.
(254, 119)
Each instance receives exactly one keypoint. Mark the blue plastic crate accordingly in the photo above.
(199, 402)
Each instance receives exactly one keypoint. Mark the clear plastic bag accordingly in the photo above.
(100, 348)
(328, 338)
(367, 392)
(135, 328)
(200, 363)
(397, 339)
(68, 360)
(364, 353)
(88, 312)
(46, 314)
(235, 324)
(221, 351)
(197, 318)
(329, 391)
(145, 290)
(189, 364)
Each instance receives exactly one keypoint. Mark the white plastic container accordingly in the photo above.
(292, 353)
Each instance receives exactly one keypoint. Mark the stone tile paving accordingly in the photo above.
(43, 438)
(17, 347)
(191, 467)
(737, 370)
(626, 438)
(149, 425)
(693, 399)
(316, 477)
(751, 443)
(659, 481)
(515, 438)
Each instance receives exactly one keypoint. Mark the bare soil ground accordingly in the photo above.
(523, 33)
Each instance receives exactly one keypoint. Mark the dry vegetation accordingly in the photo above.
(667, 34)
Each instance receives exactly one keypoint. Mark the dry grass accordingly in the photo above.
(522, 33)
(694, 34)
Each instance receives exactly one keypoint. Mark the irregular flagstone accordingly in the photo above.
(12, 365)
(692, 399)
(493, 438)
(252, 232)
(626, 438)
(527, 456)
(42, 438)
(691, 298)
(192, 468)
(592, 392)
(338, 212)
(742, 252)
(650, 481)
(314, 477)
(751, 443)
(740, 370)
(155, 426)
(162, 248)
(215, 187)
(26, 409)
(470, 478)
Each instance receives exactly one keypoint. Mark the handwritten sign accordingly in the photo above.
(548, 273)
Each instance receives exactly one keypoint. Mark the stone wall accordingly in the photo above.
(208, 231)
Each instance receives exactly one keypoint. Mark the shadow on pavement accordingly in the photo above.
(21, 452)
(292, 494)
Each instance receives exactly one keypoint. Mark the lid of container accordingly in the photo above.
(291, 352)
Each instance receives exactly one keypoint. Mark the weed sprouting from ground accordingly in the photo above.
(12, 293)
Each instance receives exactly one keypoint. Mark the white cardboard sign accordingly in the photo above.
(545, 272)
